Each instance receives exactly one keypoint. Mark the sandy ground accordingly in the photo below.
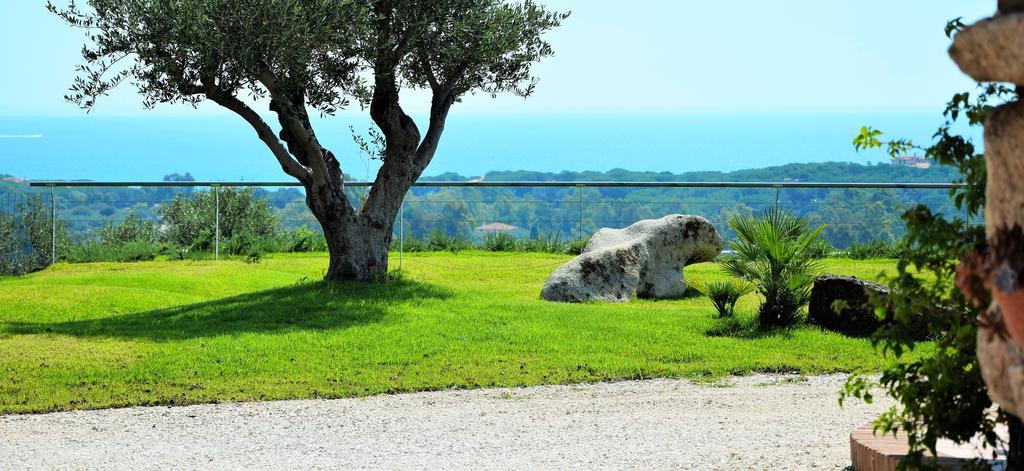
(757, 422)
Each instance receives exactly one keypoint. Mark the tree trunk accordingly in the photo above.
(358, 252)
(358, 239)
(358, 242)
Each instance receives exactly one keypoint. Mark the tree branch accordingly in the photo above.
(428, 70)
(440, 106)
(291, 122)
(384, 108)
(263, 130)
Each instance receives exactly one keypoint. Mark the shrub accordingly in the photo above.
(725, 294)
(576, 247)
(773, 252)
(306, 240)
(26, 238)
(17, 255)
(94, 251)
(876, 249)
(821, 248)
(551, 243)
(132, 229)
(191, 218)
(409, 245)
(440, 241)
(500, 242)
(138, 251)
(133, 240)
(249, 246)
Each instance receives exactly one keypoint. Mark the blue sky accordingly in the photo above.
(644, 56)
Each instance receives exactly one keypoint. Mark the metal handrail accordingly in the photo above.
(578, 186)
(543, 184)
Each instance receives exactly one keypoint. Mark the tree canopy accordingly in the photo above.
(306, 53)
(303, 55)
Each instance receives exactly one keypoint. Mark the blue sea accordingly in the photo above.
(223, 148)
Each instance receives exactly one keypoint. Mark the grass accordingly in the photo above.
(109, 334)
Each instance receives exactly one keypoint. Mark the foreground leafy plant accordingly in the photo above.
(941, 395)
(774, 253)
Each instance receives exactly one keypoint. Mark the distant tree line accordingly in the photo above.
(852, 216)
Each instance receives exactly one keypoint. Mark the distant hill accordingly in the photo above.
(799, 172)
(802, 172)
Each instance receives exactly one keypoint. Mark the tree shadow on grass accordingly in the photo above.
(304, 306)
(688, 294)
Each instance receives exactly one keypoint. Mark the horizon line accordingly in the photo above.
(609, 113)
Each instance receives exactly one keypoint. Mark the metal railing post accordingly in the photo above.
(53, 226)
(579, 189)
(563, 202)
(216, 197)
(401, 234)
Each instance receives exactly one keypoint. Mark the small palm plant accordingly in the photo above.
(774, 253)
(725, 294)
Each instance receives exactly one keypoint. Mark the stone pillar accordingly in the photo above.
(993, 51)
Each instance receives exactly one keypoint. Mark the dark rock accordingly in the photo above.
(857, 317)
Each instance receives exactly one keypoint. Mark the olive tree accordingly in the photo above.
(298, 57)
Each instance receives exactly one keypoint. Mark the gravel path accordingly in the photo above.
(757, 422)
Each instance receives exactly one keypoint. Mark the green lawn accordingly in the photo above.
(107, 335)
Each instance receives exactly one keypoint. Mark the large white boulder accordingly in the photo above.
(644, 260)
